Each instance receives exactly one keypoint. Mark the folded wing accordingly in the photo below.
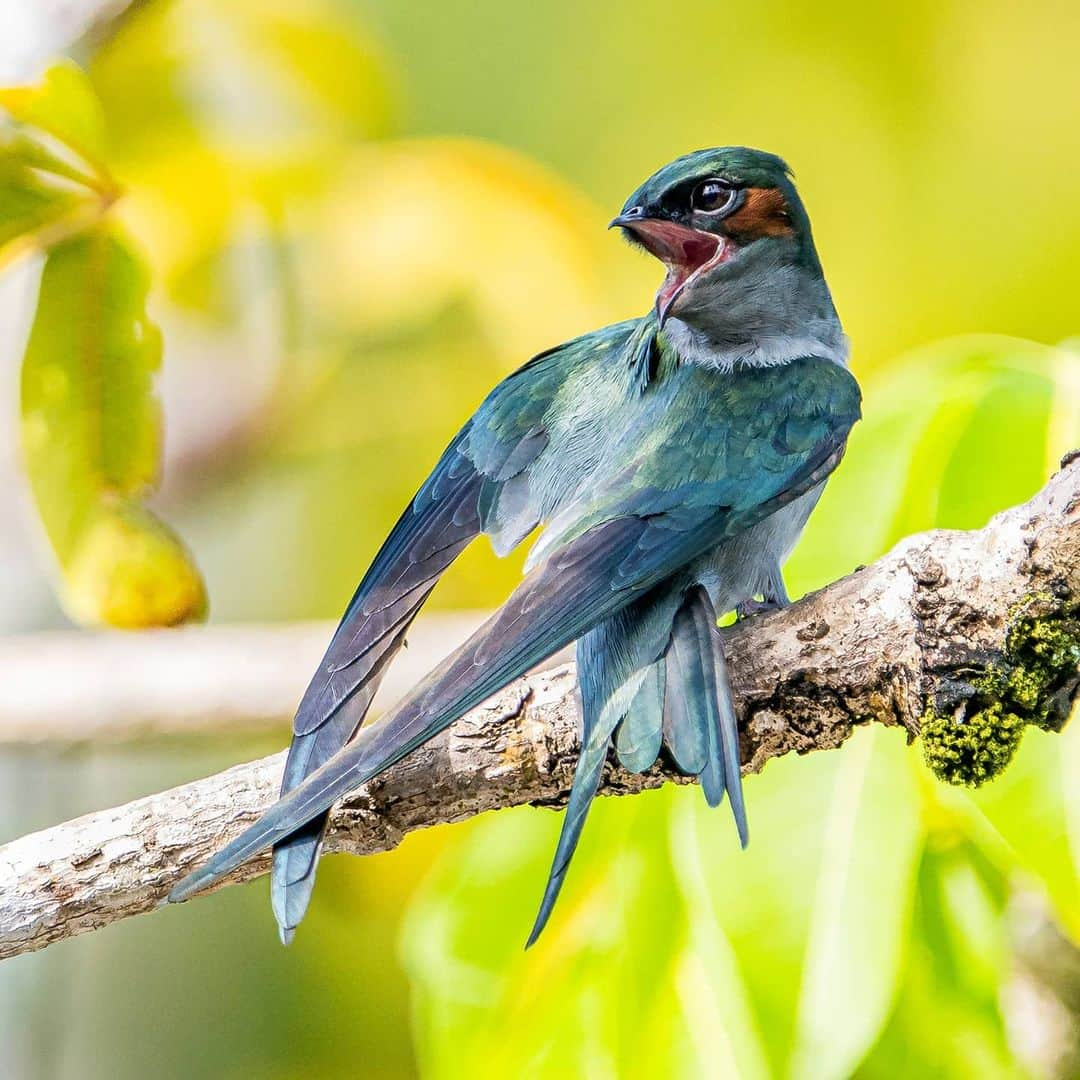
(480, 484)
(650, 519)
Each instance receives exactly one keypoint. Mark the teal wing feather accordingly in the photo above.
(621, 676)
(728, 730)
(684, 697)
(713, 442)
(480, 484)
(771, 438)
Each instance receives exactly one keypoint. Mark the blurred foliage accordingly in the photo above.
(931, 141)
(90, 428)
(863, 931)
(348, 273)
(91, 437)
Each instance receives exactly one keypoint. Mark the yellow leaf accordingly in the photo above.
(91, 436)
(130, 571)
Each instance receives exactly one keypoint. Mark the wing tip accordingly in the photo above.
(289, 902)
(190, 885)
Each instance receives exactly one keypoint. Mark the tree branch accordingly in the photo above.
(201, 680)
(917, 628)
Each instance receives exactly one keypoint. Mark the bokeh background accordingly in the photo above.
(358, 216)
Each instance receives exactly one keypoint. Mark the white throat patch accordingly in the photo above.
(695, 348)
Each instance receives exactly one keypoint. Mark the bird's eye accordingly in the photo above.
(713, 196)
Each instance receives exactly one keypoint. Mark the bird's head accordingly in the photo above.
(721, 221)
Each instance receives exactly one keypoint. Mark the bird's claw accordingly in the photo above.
(749, 608)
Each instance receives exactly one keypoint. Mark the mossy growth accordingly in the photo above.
(971, 750)
(1034, 684)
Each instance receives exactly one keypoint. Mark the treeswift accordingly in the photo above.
(673, 460)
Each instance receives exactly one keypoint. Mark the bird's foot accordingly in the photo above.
(749, 608)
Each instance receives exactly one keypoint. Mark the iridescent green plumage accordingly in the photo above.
(673, 469)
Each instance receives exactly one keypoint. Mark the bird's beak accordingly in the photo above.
(686, 252)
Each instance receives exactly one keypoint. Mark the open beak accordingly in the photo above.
(686, 252)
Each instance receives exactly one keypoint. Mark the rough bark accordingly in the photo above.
(916, 630)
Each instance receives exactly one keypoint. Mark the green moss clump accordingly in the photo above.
(974, 751)
(1045, 652)
(1035, 685)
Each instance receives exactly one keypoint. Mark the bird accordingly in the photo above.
(672, 460)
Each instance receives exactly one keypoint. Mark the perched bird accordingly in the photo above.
(674, 460)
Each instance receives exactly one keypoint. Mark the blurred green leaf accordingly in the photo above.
(944, 419)
(1004, 436)
(1032, 807)
(763, 899)
(29, 204)
(611, 989)
(1069, 770)
(947, 1020)
(64, 105)
(91, 438)
(228, 120)
(864, 891)
(711, 990)
(52, 180)
(987, 416)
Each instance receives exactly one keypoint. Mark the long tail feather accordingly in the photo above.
(690, 701)
(700, 725)
(638, 736)
(296, 858)
(729, 738)
(621, 675)
(292, 876)
(590, 767)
